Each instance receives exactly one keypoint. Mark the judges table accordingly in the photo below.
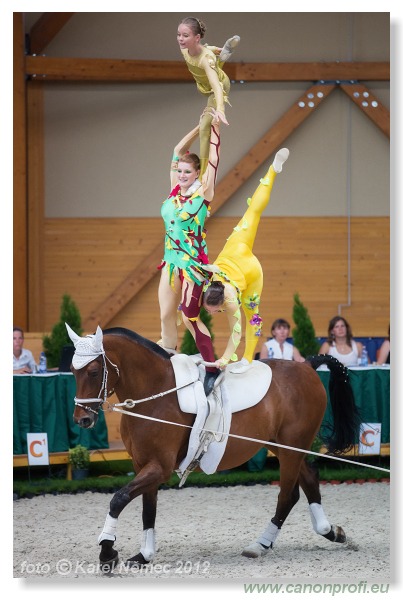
(371, 388)
(45, 404)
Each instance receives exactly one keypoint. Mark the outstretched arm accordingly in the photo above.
(215, 85)
(210, 174)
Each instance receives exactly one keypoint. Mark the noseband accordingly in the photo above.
(104, 389)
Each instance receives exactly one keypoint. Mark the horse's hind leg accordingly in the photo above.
(309, 482)
(290, 465)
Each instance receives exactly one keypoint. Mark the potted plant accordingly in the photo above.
(79, 458)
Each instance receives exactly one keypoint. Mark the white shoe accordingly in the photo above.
(229, 47)
(241, 367)
(280, 159)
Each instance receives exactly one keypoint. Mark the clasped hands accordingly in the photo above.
(216, 114)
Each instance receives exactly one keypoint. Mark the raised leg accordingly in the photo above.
(229, 48)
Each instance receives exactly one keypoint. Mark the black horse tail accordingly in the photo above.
(342, 434)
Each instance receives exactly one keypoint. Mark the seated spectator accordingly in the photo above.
(23, 360)
(280, 330)
(340, 343)
(383, 357)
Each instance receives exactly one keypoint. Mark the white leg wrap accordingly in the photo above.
(269, 535)
(148, 544)
(109, 530)
(319, 520)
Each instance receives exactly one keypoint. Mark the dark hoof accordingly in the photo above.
(137, 561)
(336, 534)
(108, 558)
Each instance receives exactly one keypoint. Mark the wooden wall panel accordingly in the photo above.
(87, 258)
(35, 204)
(20, 223)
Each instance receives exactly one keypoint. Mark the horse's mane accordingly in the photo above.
(138, 339)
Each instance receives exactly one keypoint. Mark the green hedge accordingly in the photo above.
(109, 477)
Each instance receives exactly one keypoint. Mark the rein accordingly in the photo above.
(130, 403)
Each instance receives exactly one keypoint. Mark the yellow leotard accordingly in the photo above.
(242, 269)
(208, 74)
(211, 80)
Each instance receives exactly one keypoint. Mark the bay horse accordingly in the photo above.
(291, 413)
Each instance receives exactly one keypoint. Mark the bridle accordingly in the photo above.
(104, 388)
(81, 402)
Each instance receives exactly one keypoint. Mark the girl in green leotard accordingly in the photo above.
(184, 213)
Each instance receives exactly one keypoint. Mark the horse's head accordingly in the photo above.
(91, 373)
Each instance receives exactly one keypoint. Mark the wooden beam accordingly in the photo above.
(257, 155)
(36, 205)
(130, 286)
(20, 296)
(102, 69)
(371, 106)
(314, 71)
(271, 141)
(45, 30)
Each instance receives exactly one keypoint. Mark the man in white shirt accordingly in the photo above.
(23, 360)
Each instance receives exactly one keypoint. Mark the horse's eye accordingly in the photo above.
(93, 373)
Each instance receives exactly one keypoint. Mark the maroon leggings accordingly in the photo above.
(191, 310)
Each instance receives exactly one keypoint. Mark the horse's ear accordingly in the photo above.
(72, 335)
(98, 338)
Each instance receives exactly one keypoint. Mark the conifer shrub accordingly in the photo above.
(303, 333)
(53, 343)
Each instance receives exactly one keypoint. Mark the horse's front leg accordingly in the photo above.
(145, 483)
(147, 549)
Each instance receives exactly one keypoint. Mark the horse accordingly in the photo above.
(290, 414)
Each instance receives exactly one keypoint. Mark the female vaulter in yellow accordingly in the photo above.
(238, 275)
(205, 64)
